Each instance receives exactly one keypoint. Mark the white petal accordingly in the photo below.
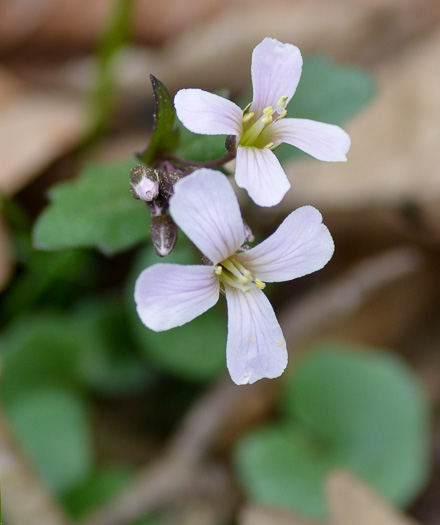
(276, 70)
(322, 141)
(256, 347)
(301, 245)
(259, 172)
(170, 295)
(205, 207)
(208, 114)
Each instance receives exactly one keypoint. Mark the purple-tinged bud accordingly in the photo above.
(163, 234)
(144, 183)
(249, 236)
(231, 145)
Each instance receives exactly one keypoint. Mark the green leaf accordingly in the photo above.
(52, 426)
(98, 489)
(327, 92)
(200, 148)
(95, 210)
(358, 410)
(114, 366)
(165, 135)
(195, 351)
(38, 351)
(56, 278)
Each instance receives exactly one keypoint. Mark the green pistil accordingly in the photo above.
(234, 274)
(255, 132)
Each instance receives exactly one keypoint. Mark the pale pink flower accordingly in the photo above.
(261, 127)
(205, 207)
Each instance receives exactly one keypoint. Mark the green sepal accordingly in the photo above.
(165, 136)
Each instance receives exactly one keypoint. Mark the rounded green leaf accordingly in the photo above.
(95, 210)
(98, 489)
(52, 426)
(364, 411)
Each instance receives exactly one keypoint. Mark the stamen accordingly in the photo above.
(247, 117)
(218, 270)
(267, 120)
(268, 111)
(242, 269)
(282, 115)
(268, 146)
(232, 268)
(282, 101)
(260, 284)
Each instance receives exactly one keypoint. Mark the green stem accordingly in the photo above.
(217, 163)
(113, 39)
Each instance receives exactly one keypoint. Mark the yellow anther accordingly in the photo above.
(267, 120)
(247, 117)
(268, 146)
(260, 284)
(219, 270)
(244, 279)
(268, 111)
(282, 102)
(283, 114)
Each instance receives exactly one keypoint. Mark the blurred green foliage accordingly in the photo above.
(95, 210)
(165, 135)
(343, 407)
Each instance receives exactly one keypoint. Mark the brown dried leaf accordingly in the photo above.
(35, 129)
(79, 23)
(255, 515)
(394, 156)
(352, 502)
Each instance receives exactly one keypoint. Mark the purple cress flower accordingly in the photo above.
(205, 207)
(261, 127)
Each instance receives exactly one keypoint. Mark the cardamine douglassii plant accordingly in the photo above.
(198, 198)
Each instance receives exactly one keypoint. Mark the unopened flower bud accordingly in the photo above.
(163, 234)
(144, 183)
(248, 233)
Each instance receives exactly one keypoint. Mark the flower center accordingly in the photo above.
(255, 130)
(234, 274)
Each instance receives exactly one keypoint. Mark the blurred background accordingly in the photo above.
(104, 422)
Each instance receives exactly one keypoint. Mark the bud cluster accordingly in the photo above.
(155, 186)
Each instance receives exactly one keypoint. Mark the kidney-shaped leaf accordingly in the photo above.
(363, 411)
(95, 210)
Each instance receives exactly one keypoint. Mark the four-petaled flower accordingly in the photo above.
(205, 207)
(260, 128)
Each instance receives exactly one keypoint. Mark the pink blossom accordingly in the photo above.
(261, 127)
(205, 207)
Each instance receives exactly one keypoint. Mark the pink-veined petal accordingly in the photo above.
(256, 347)
(205, 207)
(276, 70)
(301, 245)
(170, 295)
(322, 141)
(260, 173)
(208, 114)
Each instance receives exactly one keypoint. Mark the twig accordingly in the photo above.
(328, 304)
(25, 499)
(159, 483)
